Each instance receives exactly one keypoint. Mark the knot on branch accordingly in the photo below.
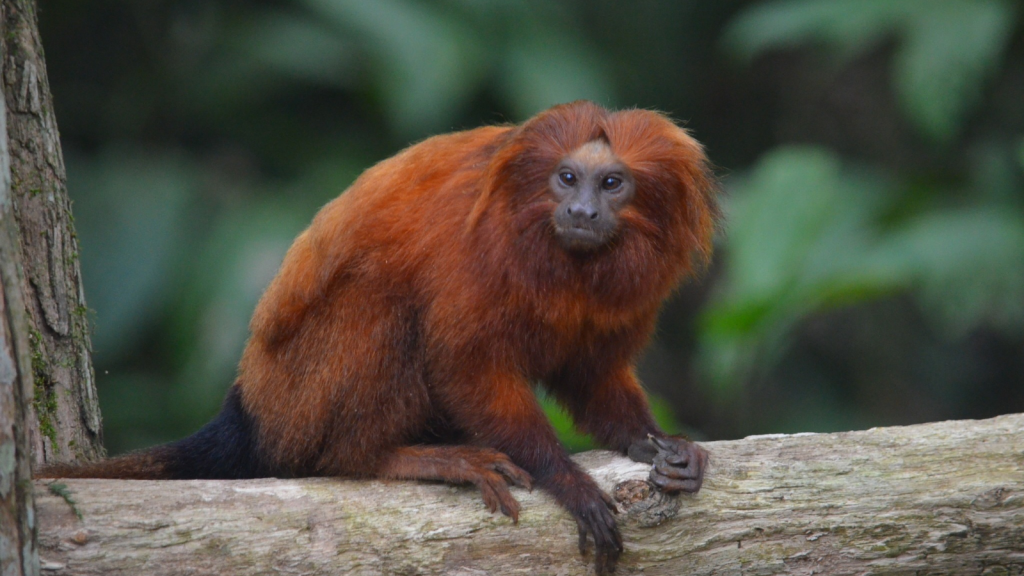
(643, 504)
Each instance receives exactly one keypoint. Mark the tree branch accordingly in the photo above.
(944, 498)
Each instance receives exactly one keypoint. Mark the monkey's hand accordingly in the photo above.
(678, 464)
(596, 516)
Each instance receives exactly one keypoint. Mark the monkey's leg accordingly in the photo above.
(491, 471)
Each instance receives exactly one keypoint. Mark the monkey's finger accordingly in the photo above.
(615, 536)
(496, 495)
(664, 444)
(601, 562)
(514, 474)
(612, 542)
(678, 472)
(606, 533)
(606, 557)
(508, 504)
(678, 459)
(608, 563)
(583, 537)
(510, 508)
(490, 497)
(672, 485)
(688, 453)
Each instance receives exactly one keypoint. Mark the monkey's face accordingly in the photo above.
(592, 186)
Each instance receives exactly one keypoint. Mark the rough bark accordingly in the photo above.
(66, 421)
(943, 498)
(18, 552)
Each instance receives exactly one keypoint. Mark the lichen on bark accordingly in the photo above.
(67, 424)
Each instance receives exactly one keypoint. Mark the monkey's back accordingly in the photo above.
(337, 348)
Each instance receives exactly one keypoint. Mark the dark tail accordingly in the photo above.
(226, 448)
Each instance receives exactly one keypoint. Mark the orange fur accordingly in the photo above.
(391, 259)
(408, 324)
(431, 291)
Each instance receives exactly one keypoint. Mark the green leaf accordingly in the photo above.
(968, 265)
(798, 221)
(772, 226)
(949, 49)
(805, 236)
(799, 226)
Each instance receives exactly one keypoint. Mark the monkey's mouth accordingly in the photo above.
(580, 238)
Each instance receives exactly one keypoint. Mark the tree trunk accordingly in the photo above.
(66, 421)
(18, 555)
(48, 407)
(934, 499)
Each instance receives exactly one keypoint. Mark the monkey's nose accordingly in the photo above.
(581, 213)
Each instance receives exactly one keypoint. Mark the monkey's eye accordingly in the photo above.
(567, 178)
(611, 183)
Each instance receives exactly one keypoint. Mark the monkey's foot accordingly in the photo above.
(491, 471)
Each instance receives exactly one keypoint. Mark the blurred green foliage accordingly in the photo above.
(805, 236)
(947, 49)
(871, 269)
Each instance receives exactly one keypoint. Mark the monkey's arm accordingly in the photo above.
(499, 410)
(614, 410)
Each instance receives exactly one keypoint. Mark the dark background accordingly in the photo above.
(870, 271)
